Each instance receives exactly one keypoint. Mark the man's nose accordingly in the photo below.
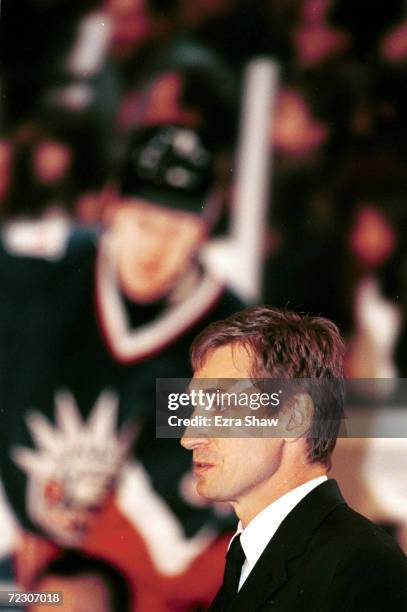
(191, 443)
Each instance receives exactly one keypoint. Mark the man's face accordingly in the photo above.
(154, 247)
(232, 469)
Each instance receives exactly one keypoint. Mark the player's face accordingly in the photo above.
(232, 469)
(154, 248)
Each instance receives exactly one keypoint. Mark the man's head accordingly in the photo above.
(257, 343)
(173, 178)
(162, 220)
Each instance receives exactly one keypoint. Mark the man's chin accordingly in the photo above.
(209, 493)
(142, 294)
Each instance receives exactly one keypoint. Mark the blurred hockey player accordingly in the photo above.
(80, 461)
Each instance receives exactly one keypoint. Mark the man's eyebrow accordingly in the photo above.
(212, 390)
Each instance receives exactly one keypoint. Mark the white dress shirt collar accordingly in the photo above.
(255, 537)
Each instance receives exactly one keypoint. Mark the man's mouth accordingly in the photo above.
(202, 466)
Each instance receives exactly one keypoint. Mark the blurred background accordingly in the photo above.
(162, 164)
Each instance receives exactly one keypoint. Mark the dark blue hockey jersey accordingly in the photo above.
(78, 367)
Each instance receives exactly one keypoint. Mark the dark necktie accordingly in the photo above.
(235, 558)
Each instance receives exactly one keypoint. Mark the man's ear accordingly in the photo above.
(298, 414)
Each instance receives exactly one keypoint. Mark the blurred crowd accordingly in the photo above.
(119, 131)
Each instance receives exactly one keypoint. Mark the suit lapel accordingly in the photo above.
(263, 580)
(272, 570)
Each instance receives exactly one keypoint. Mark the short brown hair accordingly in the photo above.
(288, 345)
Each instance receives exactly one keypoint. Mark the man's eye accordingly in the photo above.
(216, 409)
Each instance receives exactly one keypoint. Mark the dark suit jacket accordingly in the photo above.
(325, 558)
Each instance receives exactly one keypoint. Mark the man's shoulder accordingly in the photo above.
(363, 567)
(352, 564)
(352, 538)
(331, 536)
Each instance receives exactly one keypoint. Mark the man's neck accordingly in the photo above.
(252, 503)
